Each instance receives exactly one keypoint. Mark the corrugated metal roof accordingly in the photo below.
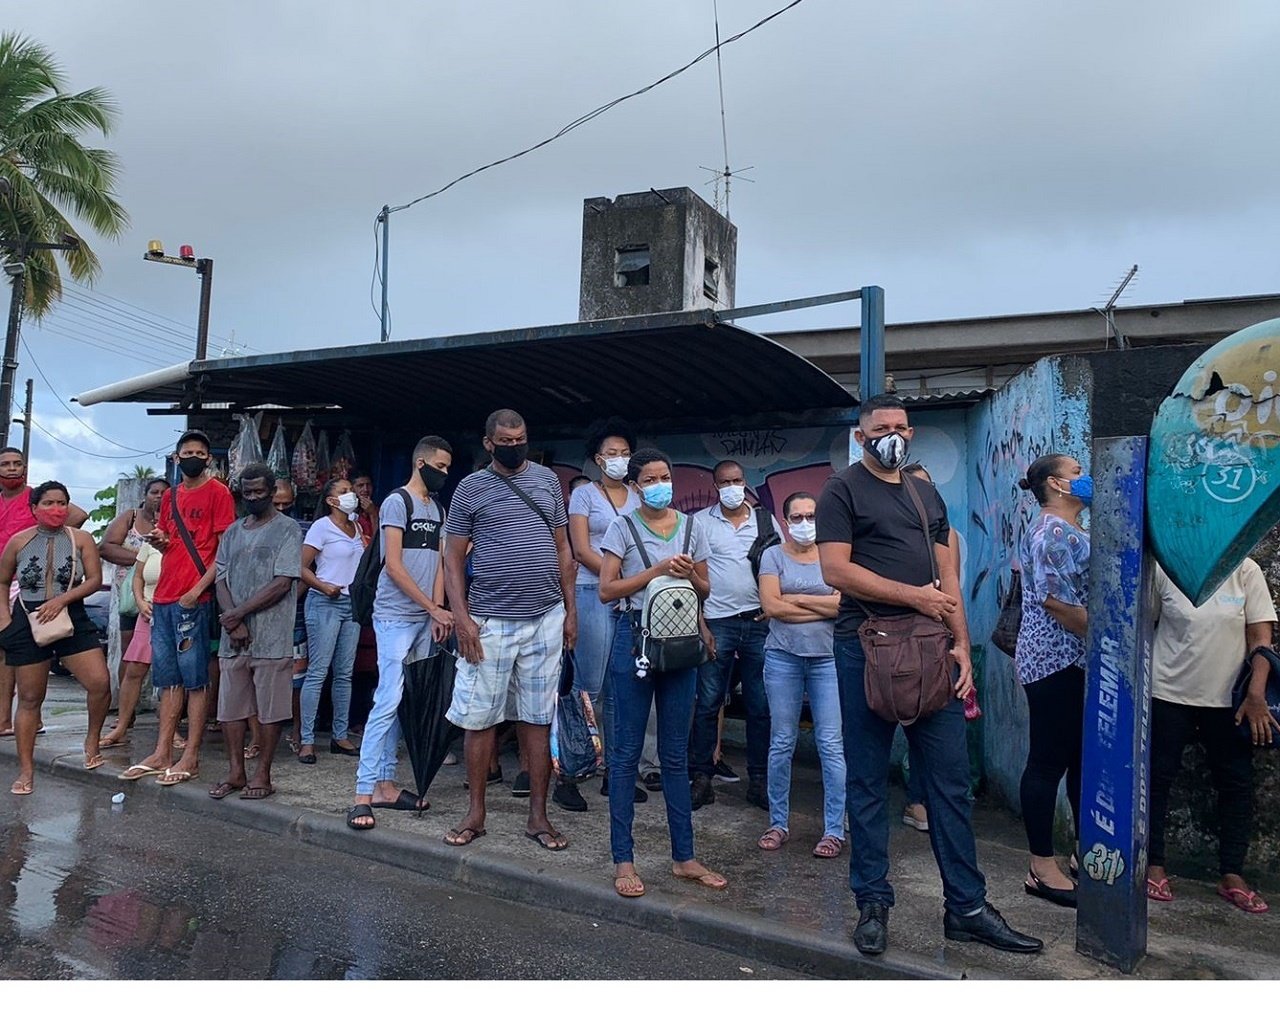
(674, 365)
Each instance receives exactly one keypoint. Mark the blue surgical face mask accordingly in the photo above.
(1082, 488)
(657, 496)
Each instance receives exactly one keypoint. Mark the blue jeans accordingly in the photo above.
(940, 757)
(596, 623)
(180, 646)
(332, 637)
(743, 638)
(399, 642)
(787, 678)
(673, 694)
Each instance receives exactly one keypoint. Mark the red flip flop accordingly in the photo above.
(1246, 900)
(1159, 890)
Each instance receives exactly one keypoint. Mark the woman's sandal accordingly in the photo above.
(628, 885)
(773, 839)
(22, 787)
(711, 880)
(828, 846)
(1246, 900)
(96, 761)
(1158, 889)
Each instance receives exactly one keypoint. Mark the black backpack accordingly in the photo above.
(365, 586)
(766, 537)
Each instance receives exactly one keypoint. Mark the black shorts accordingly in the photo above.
(128, 621)
(20, 648)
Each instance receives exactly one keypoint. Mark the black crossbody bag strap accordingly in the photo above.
(525, 498)
(184, 534)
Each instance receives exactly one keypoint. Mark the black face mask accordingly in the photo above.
(257, 507)
(432, 479)
(192, 466)
(511, 456)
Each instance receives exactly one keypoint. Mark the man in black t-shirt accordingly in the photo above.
(874, 551)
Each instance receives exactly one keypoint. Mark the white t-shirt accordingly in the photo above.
(1198, 650)
(337, 555)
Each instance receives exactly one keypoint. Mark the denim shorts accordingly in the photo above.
(180, 646)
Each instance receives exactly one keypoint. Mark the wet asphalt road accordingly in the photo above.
(92, 891)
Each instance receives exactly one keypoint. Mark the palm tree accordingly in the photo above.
(46, 169)
(139, 473)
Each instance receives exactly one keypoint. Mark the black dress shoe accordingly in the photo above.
(335, 748)
(988, 926)
(568, 796)
(640, 796)
(700, 791)
(653, 782)
(758, 793)
(1037, 888)
(871, 936)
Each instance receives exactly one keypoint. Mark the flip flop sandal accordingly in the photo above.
(110, 744)
(224, 789)
(773, 839)
(547, 840)
(701, 880)
(136, 771)
(360, 810)
(175, 778)
(406, 801)
(8, 735)
(21, 788)
(96, 761)
(252, 752)
(632, 892)
(1247, 901)
(471, 836)
(256, 793)
(828, 846)
(1159, 890)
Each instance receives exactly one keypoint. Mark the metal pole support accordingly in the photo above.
(1111, 920)
(385, 216)
(204, 269)
(10, 361)
(871, 344)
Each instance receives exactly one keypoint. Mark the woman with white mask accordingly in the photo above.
(799, 659)
(330, 554)
(592, 508)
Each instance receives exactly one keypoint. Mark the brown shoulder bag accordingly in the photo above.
(909, 664)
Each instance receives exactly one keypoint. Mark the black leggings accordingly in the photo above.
(1056, 706)
(1230, 760)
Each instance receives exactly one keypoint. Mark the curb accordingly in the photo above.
(772, 942)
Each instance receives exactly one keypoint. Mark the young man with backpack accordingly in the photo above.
(736, 534)
(408, 617)
(189, 527)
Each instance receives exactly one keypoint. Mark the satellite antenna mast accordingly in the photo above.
(1108, 311)
(726, 174)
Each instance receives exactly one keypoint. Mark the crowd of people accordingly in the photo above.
(661, 613)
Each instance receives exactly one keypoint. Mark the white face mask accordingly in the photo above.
(348, 502)
(616, 467)
(732, 496)
(804, 533)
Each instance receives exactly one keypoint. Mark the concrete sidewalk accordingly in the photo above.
(788, 907)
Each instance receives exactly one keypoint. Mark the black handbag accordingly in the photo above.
(1009, 623)
(1241, 688)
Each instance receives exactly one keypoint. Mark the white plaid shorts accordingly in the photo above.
(518, 678)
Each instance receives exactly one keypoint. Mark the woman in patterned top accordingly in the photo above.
(1049, 658)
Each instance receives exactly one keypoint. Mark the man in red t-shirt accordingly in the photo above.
(15, 516)
(189, 526)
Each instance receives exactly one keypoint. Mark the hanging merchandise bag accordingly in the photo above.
(245, 450)
(344, 457)
(278, 454)
(322, 460)
(303, 466)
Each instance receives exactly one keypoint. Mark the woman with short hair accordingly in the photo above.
(57, 568)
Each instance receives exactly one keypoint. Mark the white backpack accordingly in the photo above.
(665, 628)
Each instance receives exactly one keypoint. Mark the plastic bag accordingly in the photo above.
(344, 457)
(278, 454)
(245, 449)
(322, 460)
(303, 466)
(575, 742)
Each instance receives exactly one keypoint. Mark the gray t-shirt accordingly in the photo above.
(619, 541)
(421, 545)
(733, 585)
(813, 638)
(249, 558)
(514, 561)
(590, 501)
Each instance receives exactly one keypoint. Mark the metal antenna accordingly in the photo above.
(1109, 309)
(726, 174)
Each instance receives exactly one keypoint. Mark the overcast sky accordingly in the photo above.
(972, 158)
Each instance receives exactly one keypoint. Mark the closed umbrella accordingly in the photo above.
(428, 691)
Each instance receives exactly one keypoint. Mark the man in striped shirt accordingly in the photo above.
(515, 620)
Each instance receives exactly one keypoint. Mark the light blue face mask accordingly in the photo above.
(657, 496)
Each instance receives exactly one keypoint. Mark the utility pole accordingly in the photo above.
(16, 267)
(204, 269)
(384, 217)
(26, 422)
